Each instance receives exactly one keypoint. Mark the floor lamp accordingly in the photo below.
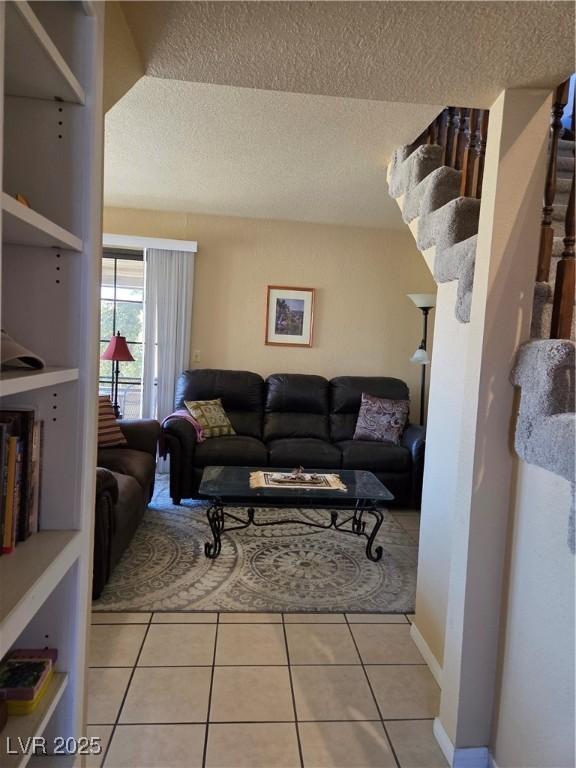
(117, 351)
(425, 302)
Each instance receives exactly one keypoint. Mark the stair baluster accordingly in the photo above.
(460, 138)
(547, 231)
(448, 138)
(458, 121)
(481, 137)
(563, 307)
(469, 155)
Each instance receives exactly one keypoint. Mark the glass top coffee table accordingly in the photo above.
(229, 487)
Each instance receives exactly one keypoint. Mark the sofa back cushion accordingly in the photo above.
(297, 405)
(241, 392)
(346, 395)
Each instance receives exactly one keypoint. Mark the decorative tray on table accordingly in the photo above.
(298, 478)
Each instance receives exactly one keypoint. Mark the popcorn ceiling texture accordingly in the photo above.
(257, 154)
(196, 135)
(422, 52)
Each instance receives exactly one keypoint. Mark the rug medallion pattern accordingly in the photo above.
(285, 568)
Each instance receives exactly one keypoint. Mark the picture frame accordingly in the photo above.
(289, 316)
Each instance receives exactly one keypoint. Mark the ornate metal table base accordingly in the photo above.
(216, 516)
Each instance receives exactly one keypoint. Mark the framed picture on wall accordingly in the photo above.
(289, 316)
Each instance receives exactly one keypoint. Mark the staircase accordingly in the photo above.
(437, 183)
(428, 191)
(545, 367)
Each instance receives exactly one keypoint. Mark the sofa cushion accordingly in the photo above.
(306, 452)
(296, 406)
(279, 426)
(241, 392)
(296, 393)
(127, 461)
(346, 395)
(374, 456)
(235, 450)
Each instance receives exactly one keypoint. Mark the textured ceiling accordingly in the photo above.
(235, 151)
(460, 53)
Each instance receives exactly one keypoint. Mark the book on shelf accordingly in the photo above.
(20, 456)
(24, 677)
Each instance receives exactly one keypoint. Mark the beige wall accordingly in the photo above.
(442, 452)
(534, 721)
(122, 63)
(363, 324)
(478, 495)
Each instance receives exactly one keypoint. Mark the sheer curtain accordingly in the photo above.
(167, 325)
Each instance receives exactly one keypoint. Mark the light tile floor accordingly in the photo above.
(250, 690)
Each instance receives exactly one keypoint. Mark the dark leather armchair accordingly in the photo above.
(124, 486)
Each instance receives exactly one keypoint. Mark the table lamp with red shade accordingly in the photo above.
(117, 351)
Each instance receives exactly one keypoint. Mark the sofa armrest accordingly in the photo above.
(179, 443)
(141, 434)
(414, 439)
(182, 430)
(106, 499)
(106, 483)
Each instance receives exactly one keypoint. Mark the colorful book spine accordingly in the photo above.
(19, 491)
(34, 485)
(3, 477)
(7, 542)
(21, 485)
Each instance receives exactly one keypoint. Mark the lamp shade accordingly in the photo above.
(420, 356)
(117, 349)
(423, 299)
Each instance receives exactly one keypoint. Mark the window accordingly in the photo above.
(122, 309)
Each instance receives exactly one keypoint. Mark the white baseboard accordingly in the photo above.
(473, 757)
(429, 657)
(443, 740)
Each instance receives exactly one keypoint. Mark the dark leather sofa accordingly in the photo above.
(124, 486)
(291, 420)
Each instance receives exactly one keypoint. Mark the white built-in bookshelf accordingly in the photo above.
(50, 272)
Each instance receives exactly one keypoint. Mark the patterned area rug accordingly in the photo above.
(281, 568)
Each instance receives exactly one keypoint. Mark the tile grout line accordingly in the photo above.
(121, 707)
(208, 712)
(296, 728)
(394, 755)
(270, 722)
(309, 664)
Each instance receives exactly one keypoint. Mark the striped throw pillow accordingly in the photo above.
(109, 433)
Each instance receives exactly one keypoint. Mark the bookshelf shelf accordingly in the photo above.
(27, 726)
(24, 226)
(16, 381)
(34, 66)
(52, 144)
(29, 575)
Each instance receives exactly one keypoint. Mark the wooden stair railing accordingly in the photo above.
(462, 133)
(547, 231)
(563, 306)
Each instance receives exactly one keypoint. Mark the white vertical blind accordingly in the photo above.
(167, 329)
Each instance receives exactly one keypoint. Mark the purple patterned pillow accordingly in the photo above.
(381, 419)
